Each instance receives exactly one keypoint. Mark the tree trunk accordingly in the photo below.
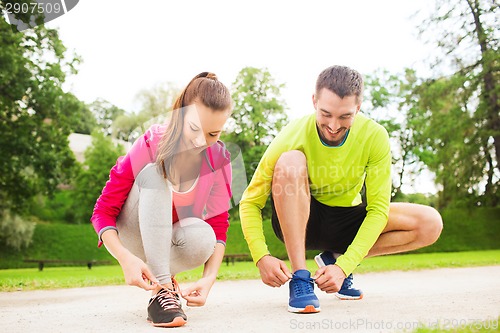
(489, 96)
(490, 195)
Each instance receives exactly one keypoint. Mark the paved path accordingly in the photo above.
(394, 301)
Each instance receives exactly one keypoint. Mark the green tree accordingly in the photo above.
(105, 113)
(125, 127)
(33, 122)
(389, 102)
(155, 105)
(459, 119)
(83, 121)
(157, 101)
(449, 141)
(258, 115)
(99, 159)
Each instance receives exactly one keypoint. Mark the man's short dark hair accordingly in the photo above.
(341, 80)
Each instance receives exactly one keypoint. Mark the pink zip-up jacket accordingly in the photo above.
(213, 189)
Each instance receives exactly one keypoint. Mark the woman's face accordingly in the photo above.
(202, 127)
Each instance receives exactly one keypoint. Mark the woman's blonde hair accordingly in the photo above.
(205, 88)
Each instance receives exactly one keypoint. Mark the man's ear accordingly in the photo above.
(358, 107)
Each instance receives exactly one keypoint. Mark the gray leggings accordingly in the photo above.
(145, 228)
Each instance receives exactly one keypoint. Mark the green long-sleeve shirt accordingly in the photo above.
(336, 176)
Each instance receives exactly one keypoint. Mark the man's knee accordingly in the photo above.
(291, 164)
(430, 225)
(290, 175)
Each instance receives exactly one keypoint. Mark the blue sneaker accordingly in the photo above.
(347, 291)
(324, 259)
(302, 297)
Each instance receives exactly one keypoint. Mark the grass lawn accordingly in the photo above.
(72, 277)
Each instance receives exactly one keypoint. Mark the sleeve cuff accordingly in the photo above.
(348, 266)
(99, 244)
(259, 256)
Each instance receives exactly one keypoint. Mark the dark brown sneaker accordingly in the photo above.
(165, 309)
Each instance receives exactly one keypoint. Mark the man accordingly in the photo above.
(314, 170)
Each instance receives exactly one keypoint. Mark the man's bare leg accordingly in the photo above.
(291, 198)
(410, 227)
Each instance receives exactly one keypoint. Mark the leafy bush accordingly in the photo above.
(99, 159)
(56, 241)
(15, 231)
(57, 208)
(465, 230)
(468, 230)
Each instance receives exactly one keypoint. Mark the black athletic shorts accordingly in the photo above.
(328, 228)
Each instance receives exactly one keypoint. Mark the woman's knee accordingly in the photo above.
(196, 236)
(193, 243)
(150, 178)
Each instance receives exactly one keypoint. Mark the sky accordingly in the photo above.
(127, 48)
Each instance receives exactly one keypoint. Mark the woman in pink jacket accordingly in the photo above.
(165, 206)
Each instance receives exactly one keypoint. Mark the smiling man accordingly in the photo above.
(314, 171)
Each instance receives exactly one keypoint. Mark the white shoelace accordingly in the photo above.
(168, 299)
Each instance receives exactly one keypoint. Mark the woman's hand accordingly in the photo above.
(197, 293)
(137, 273)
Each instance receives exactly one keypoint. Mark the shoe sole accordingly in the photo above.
(319, 261)
(177, 322)
(348, 298)
(307, 309)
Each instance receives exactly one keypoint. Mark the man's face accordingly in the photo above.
(334, 115)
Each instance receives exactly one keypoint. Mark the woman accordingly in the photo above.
(165, 206)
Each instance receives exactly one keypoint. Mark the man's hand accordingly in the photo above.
(273, 271)
(329, 278)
